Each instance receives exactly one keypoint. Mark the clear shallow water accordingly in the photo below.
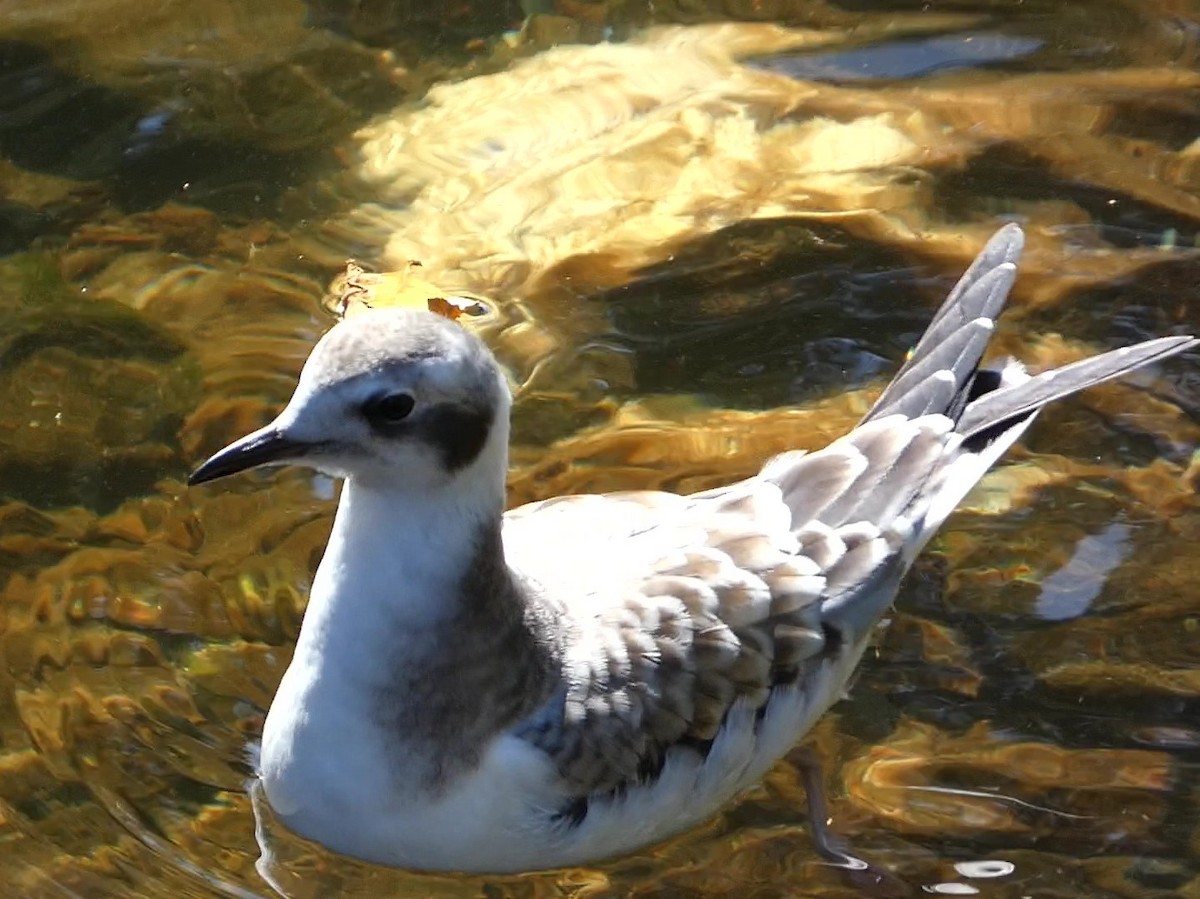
(704, 262)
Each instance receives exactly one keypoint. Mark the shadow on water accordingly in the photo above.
(754, 329)
(54, 122)
(1012, 174)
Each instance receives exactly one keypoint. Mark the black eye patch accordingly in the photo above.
(458, 432)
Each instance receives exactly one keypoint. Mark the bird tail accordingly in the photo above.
(989, 408)
(867, 503)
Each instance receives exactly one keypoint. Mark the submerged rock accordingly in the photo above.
(573, 170)
(91, 393)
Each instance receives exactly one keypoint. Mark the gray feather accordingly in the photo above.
(979, 294)
(921, 388)
(1019, 399)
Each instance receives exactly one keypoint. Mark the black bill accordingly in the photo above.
(268, 446)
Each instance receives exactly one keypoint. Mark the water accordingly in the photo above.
(699, 246)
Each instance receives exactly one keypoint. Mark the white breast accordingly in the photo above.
(326, 785)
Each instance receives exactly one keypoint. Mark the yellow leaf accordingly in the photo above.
(356, 290)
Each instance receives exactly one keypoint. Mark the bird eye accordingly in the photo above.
(389, 409)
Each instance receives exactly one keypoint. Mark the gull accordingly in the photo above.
(489, 691)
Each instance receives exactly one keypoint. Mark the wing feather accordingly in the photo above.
(684, 611)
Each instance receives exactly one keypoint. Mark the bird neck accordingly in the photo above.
(414, 587)
(399, 564)
(410, 608)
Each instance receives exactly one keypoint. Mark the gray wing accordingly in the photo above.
(680, 607)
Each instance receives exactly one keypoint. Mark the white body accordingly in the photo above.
(330, 774)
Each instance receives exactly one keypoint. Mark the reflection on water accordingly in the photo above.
(906, 59)
(700, 243)
(1068, 592)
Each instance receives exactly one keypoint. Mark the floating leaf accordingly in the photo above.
(357, 290)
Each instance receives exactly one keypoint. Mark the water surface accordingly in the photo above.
(705, 232)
